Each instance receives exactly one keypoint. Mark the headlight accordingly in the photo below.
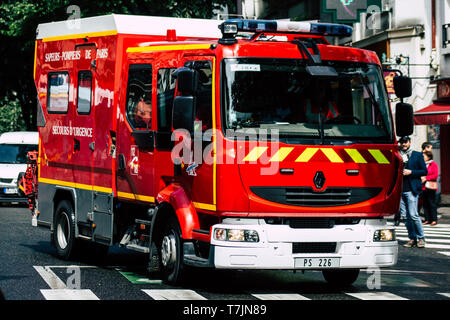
(241, 235)
(384, 235)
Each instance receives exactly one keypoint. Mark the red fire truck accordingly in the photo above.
(237, 144)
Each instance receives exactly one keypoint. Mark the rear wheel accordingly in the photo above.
(340, 277)
(64, 230)
(170, 253)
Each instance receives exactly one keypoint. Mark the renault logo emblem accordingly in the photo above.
(319, 179)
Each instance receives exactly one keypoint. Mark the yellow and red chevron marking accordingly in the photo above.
(318, 154)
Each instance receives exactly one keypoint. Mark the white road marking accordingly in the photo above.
(444, 294)
(427, 240)
(437, 226)
(279, 296)
(410, 271)
(375, 296)
(68, 294)
(173, 294)
(50, 277)
(436, 246)
(71, 266)
(445, 253)
(427, 232)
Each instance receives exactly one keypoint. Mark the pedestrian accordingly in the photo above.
(413, 168)
(429, 189)
(426, 146)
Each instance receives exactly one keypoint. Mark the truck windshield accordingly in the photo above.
(15, 153)
(279, 94)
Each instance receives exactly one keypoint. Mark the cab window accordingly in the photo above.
(139, 96)
(165, 95)
(204, 93)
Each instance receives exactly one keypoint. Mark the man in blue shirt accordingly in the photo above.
(413, 168)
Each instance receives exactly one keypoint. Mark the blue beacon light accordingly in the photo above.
(231, 27)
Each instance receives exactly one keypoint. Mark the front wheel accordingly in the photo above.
(340, 277)
(170, 253)
(64, 231)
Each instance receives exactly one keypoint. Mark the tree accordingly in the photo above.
(19, 20)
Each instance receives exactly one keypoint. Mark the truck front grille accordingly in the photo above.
(312, 223)
(314, 247)
(307, 197)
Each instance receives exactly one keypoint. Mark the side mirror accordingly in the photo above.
(183, 114)
(404, 119)
(187, 80)
(402, 86)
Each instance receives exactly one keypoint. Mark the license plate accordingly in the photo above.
(9, 190)
(314, 263)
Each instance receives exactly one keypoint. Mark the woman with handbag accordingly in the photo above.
(429, 189)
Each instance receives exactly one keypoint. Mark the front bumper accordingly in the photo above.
(10, 193)
(354, 248)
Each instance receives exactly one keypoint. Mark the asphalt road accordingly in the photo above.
(30, 270)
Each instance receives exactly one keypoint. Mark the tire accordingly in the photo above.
(340, 277)
(64, 230)
(170, 253)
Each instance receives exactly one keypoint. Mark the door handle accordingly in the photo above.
(76, 145)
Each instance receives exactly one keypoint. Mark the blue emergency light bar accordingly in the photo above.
(231, 27)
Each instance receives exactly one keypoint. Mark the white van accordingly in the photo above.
(14, 147)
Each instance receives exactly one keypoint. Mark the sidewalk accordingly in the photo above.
(444, 212)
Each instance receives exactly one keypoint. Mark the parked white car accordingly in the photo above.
(14, 147)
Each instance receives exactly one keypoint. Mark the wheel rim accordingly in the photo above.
(168, 250)
(63, 230)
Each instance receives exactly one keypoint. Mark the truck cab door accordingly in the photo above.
(200, 173)
(83, 130)
(135, 135)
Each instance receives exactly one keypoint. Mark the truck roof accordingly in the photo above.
(20, 137)
(129, 24)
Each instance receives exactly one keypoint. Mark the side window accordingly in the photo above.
(139, 96)
(165, 95)
(84, 91)
(204, 95)
(58, 92)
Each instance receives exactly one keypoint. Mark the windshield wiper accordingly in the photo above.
(246, 124)
(366, 86)
(371, 95)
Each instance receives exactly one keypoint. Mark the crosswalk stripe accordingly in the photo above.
(427, 240)
(438, 226)
(279, 296)
(436, 246)
(375, 296)
(435, 233)
(173, 294)
(445, 294)
(427, 226)
(68, 294)
(428, 235)
(445, 253)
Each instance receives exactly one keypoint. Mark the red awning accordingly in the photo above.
(437, 113)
